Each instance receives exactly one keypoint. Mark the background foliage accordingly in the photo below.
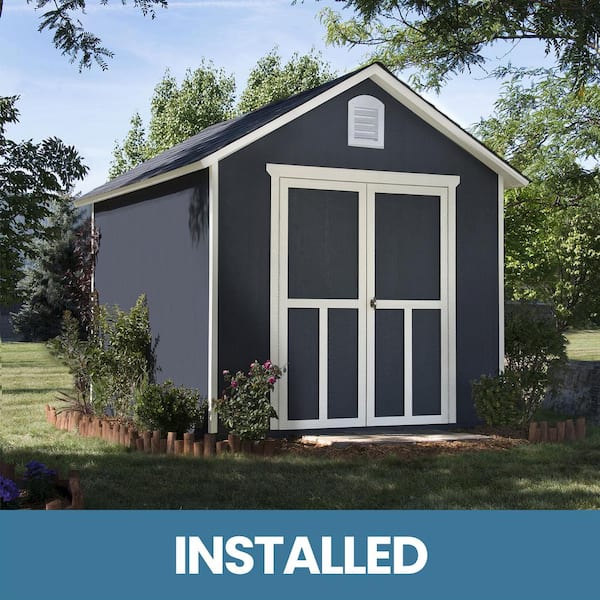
(206, 96)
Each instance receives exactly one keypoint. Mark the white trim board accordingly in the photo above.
(388, 82)
(213, 295)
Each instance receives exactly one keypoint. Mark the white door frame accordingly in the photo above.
(366, 184)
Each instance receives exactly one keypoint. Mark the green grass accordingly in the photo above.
(538, 476)
(584, 344)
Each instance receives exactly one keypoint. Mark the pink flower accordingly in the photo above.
(225, 372)
(234, 383)
(272, 380)
(268, 364)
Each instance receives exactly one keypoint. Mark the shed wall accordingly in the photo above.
(319, 138)
(156, 242)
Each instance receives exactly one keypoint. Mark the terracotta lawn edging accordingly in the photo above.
(563, 431)
(113, 431)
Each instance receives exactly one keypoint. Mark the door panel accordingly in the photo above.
(389, 363)
(303, 364)
(406, 271)
(342, 363)
(323, 243)
(322, 272)
(426, 363)
(407, 247)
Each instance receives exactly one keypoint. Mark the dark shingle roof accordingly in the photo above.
(211, 139)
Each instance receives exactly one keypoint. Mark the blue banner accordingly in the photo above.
(298, 554)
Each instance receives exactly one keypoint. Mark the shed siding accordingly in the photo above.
(319, 138)
(158, 245)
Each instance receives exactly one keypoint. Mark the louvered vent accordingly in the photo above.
(365, 122)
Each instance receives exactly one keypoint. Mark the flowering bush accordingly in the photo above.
(245, 407)
(39, 481)
(9, 492)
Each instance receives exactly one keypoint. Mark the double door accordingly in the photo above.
(362, 304)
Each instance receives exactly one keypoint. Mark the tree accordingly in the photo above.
(43, 285)
(270, 81)
(33, 177)
(69, 34)
(550, 131)
(441, 37)
(133, 151)
(206, 96)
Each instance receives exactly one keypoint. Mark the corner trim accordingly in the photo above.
(500, 273)
(213, 295)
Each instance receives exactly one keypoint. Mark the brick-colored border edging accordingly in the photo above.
(564, 431)
(111, 430)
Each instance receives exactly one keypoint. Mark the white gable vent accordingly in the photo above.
(366, 116)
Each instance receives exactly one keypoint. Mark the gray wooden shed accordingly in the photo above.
(353, 233)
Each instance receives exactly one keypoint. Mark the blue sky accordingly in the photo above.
(91, 110)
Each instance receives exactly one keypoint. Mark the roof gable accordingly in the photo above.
(222, 139)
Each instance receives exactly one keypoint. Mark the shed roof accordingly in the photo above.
(222, 139)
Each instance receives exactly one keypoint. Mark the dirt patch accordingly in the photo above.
(405, 451)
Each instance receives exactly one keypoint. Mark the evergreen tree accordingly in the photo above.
(51, 284)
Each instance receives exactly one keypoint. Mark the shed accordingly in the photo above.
(352, 233)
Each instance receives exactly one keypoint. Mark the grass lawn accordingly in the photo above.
(538, 476)
(584, 344)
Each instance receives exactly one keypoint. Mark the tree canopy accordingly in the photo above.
(271, 80)
(552, 133)
(69, 35)
(33, 179)
(442, 37)
(207, 96)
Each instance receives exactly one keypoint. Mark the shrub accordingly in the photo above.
(113, 362)
(168, 408)
(245, 407)
(498, 400)
(534, 350)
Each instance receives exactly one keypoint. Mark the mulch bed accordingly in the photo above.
(498, 441)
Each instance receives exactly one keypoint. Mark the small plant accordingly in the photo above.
(9, 493)
(498, 400)
(168, 408)
(245, 407)
(39, 481)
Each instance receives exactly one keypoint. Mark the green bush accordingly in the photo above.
(534, 351)
(115, 360)
(498, 400)
(168, 408)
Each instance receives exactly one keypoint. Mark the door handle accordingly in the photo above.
(373, 303)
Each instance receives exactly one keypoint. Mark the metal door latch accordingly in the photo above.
(373, 303)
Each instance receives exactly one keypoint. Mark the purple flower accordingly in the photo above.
(272, 380)
(38, 470)
(234, 383)
(8, 490)
(268, 364)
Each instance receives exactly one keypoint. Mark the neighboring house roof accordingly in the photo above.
(222, 139)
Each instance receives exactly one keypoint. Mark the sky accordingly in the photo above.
(92, 109)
